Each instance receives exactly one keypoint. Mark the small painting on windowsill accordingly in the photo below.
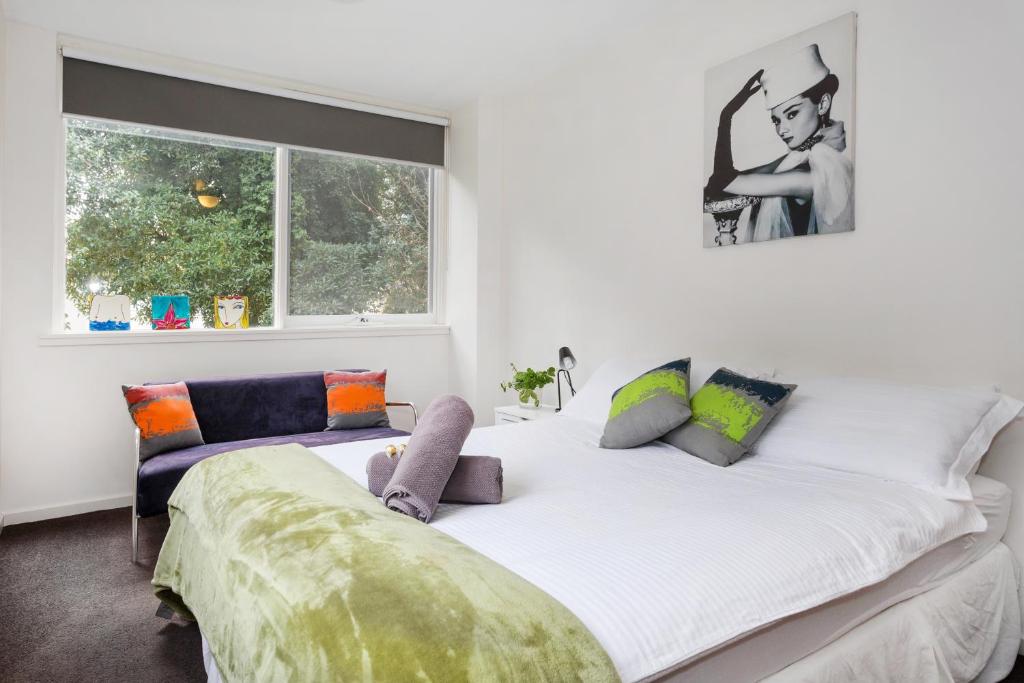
(110, 313)
(171, 312)
(231, 312)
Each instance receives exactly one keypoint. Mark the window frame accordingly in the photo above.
(282, 320)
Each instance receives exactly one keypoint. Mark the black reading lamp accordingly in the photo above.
(566, 361)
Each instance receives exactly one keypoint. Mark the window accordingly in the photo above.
(360, 236)
(151, 212)
(135, 225)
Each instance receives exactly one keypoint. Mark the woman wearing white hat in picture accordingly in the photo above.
(809, 190)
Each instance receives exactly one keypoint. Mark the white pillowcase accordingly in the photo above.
(930, 438)
(593, 401)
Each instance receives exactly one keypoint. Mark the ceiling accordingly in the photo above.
(432, 53)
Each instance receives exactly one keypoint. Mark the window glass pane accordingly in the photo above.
(153, 213)
(360, 236)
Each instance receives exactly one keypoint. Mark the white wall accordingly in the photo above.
(461, 286)
(475, 295)
(65, 441)
(602, 176)
(3, 127)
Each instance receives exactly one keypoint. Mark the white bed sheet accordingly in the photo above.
(664, 556)
(770, 649)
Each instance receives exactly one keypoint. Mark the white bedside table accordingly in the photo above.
(515, 413)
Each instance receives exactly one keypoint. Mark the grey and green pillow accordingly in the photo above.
(730, 412)
(652, 404)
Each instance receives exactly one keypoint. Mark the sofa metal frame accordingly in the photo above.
(138, 464)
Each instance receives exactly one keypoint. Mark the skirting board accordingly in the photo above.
(11, 518)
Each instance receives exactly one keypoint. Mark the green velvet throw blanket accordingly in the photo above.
(297, 573)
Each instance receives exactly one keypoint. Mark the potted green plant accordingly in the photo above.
(527, 382)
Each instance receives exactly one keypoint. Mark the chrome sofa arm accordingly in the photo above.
(406, 404)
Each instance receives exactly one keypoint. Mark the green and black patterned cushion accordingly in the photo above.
(730, 412)
(649, 406)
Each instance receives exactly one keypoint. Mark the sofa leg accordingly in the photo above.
(135, 498)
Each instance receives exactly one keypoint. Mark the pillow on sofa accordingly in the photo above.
(163, 413)
(729, 413)
(355, 400)
(649, 406)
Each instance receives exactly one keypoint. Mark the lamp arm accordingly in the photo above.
(558, 383)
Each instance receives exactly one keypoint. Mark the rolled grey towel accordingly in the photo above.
(475, 479)
(429, 459)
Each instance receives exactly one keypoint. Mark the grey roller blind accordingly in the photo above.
(113, 92)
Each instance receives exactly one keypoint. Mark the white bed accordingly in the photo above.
(684, 569)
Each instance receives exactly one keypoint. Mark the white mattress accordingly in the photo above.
(757, 655)
(664, 556)
(966, 629)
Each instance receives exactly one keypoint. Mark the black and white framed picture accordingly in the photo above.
(778, 139)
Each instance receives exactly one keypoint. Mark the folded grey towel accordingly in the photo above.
(429, 459)
(475, 479)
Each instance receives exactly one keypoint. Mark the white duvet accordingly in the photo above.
(664, 556)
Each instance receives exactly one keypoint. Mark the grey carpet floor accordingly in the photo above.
(73, 607)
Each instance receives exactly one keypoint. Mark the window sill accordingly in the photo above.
(254, 334)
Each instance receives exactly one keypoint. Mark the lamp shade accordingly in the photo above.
(566, 360)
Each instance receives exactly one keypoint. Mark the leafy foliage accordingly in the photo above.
(359, 229)
(527, 382)
(360, 236)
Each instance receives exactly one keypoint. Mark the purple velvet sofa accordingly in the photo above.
(243, 412)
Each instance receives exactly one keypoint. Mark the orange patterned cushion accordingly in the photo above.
(163, 413)
(356, 399)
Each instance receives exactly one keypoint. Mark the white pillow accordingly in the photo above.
(593, 401)
(930, 438)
